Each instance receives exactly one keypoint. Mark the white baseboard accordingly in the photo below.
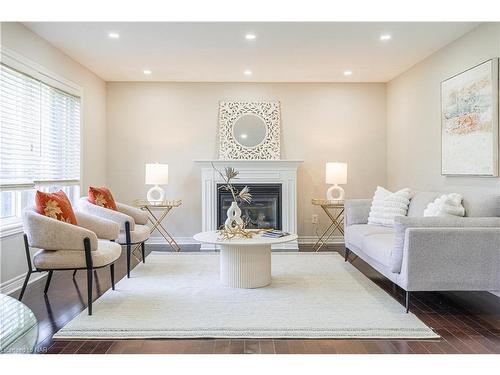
(303, 240)
(311, 240)
(158, 240)
(16, 283)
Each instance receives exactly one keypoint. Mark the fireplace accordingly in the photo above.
(254, 173)
(263, 212)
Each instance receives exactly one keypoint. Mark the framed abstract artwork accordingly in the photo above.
(469, 122)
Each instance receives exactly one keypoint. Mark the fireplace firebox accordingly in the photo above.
(263, 212)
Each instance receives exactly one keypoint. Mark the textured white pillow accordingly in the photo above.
(387, 205)
(446, 205)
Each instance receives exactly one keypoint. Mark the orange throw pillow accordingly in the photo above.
(55, 205)
(102, 197)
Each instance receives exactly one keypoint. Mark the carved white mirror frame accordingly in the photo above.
(230, 112)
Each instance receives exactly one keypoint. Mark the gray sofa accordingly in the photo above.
(430, 253)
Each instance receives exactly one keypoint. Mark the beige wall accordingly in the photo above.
(19, 39)
(176, 123)
(414, 120)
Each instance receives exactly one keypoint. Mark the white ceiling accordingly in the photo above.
(219, 52)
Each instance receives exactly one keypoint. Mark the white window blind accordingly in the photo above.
(19, 127)
(39, 131)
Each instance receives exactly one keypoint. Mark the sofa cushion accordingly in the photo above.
(356, 211)
(379, 247)
(355, 234)
(420, 201)
(107, 252)
(481, 205)
(139, 234)
(475, 204)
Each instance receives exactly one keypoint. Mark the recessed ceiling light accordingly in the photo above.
(348, 73)
(114, 35)
(250, 36)
(147, 72)
(385, 37)
(247, 72)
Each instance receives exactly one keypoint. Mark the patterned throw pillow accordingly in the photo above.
(55, 205)
(102, 197)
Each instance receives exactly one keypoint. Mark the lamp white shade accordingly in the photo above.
(156, 174)
(336, 173)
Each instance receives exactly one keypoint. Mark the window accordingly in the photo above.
(39, 141)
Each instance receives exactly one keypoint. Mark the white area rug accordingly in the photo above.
(312, 295)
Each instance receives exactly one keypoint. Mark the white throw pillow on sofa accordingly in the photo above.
(446, 205)
(387, 205)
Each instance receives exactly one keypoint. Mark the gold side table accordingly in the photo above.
(335, 212)
(165, 207)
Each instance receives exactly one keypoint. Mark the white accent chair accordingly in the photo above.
(132, 222)
(86, 246)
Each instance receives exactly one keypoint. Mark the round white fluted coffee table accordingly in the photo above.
(244, 262)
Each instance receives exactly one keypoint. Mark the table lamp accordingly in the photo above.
(336, 174)
(156, 174)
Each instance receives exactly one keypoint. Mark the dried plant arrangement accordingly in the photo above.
(232, 174)
(234, 225)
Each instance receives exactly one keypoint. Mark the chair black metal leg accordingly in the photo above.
(47, 284)
(143, 249)
(30, 267)
(129, 246)
(89, 290)
(112, 273)
(128, 259)
(74, 273)
(346, 255)
(407, 301)
(24, 285)
(90, 266)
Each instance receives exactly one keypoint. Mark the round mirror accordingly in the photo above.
(249, 130)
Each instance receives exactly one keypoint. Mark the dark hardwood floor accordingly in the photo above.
(467, 323)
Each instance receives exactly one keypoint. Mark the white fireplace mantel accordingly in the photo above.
(282, 172)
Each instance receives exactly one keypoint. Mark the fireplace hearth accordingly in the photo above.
(264, 212)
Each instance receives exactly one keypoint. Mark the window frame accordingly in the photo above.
(13, 225)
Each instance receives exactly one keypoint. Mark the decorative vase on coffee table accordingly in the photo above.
(233, 216)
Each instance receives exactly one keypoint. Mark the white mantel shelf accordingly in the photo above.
(283, 171)
(260, 163)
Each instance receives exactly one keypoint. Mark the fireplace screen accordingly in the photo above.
(262, 213)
